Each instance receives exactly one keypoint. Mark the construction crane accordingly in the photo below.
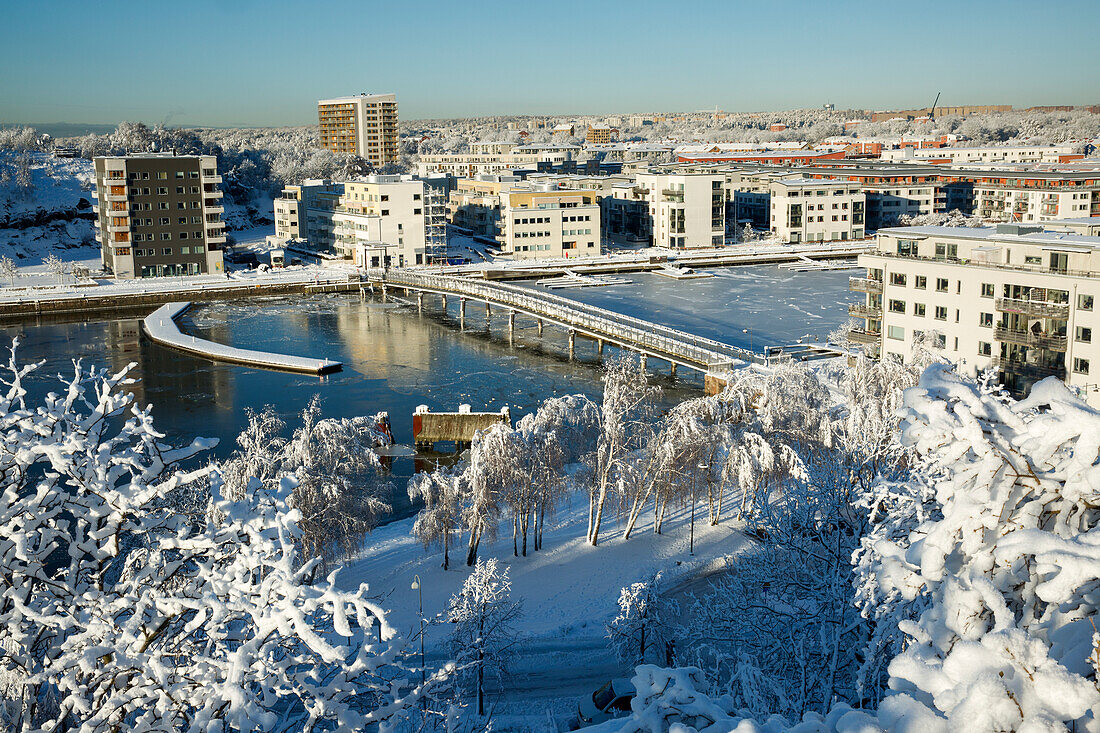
(932, 112)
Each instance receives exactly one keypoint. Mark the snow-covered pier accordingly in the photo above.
(160, 326)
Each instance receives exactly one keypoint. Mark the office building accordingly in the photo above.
(541, 220)
(806, 210)
(686, 209)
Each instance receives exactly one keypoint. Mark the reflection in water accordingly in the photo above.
(395, 358)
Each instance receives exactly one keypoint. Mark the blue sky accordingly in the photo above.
(266, 63)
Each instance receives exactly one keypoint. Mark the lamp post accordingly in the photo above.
(691, 545)
(420, 610)
(749, 332)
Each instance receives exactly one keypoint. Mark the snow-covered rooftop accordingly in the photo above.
(1060, 239)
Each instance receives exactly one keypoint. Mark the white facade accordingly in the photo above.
(1015, 298)
(305, 212)
(542, 221)
(1019, 204)
(383, 210)
(805, 210)
(990, 154)
(688, 210)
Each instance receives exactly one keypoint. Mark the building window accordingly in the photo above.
(166, 251)
(920, 281)
(941, 284)
(985, 349)
(179, 189)
(1084, 302)
(941, 313)
(897, 278)
(987, 290)
(985, 320)
(1081, 366)
(896, 332)
(897, 306)
(1084, 334)
(162, 191)
(919, 309)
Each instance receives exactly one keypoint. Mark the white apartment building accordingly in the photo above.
(1012, 297)
(305, 212)
(1032, 202)
(687, 210)
(381, 220)
(542, 221)
(471, 165)
(811, 210)
(988, 154)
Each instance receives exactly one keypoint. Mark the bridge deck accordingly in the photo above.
(649, 338)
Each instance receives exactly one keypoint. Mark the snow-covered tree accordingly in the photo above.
(623, 427)
(985, 560)
(119, 613)
(484, 479)
(441, 493)
(643, 627)
(340, 492)
(9, 269)
(484, 616)
(55, 266)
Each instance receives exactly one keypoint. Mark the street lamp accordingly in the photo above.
(420, 608)
(749, 332)
(691, 546)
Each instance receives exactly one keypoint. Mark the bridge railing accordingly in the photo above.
(626, 329)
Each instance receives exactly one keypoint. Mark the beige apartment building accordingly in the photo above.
(305, 212)
(382, 220)
(159, 214)
(686, 209)
(363, 125)
(543, 221)
(1032, 197)
(810, 210)
(475, 203)
(1014, 298)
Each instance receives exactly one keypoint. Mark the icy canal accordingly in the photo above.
(395, 359)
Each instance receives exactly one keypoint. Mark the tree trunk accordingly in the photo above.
(446, 548)
(635, 512)
(523, 529)
(515, 531)
(481, 666)
(475, 540)
(594, 538)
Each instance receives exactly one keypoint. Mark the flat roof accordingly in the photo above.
(1054, 240)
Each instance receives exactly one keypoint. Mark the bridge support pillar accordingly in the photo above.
(462, 312)
(488, 312)
(642, 360)
(420, 302)
(384, 293)
(672, 369)
(540, 327)
(444, 305)
(599, 347)
(572, 342)
(511, 322)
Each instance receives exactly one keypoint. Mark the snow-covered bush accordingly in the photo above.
(986, 561)
(119, 613)
(644, 624)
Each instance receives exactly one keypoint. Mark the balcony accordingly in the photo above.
(1028, 369)
(215, 238)
(118, 227)
(211, 179)
(108, 196)
(1033, 308)
(215, 209)
(863, 336)
(1051, 341)
(865, 285)
(861, 310)
(212, 192)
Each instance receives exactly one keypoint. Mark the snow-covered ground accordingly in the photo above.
(569, 593)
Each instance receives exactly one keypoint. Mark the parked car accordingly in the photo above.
(610, 701)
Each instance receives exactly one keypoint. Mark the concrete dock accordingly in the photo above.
(160, 326)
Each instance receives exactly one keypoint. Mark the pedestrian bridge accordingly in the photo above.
(604, 326)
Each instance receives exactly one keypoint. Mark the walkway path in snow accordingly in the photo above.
(160, 326)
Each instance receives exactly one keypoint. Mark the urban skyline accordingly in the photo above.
(565, 59)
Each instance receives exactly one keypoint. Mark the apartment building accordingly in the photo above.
(542, 221)
(687, 210)
(993, 154)
(382, 220)
(1012, 297)
(1025, 196)
(305, 212)
(598, 134)
(159, 214)
(472, 165)
(475, 203)
(363, 125)
(806, 210)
